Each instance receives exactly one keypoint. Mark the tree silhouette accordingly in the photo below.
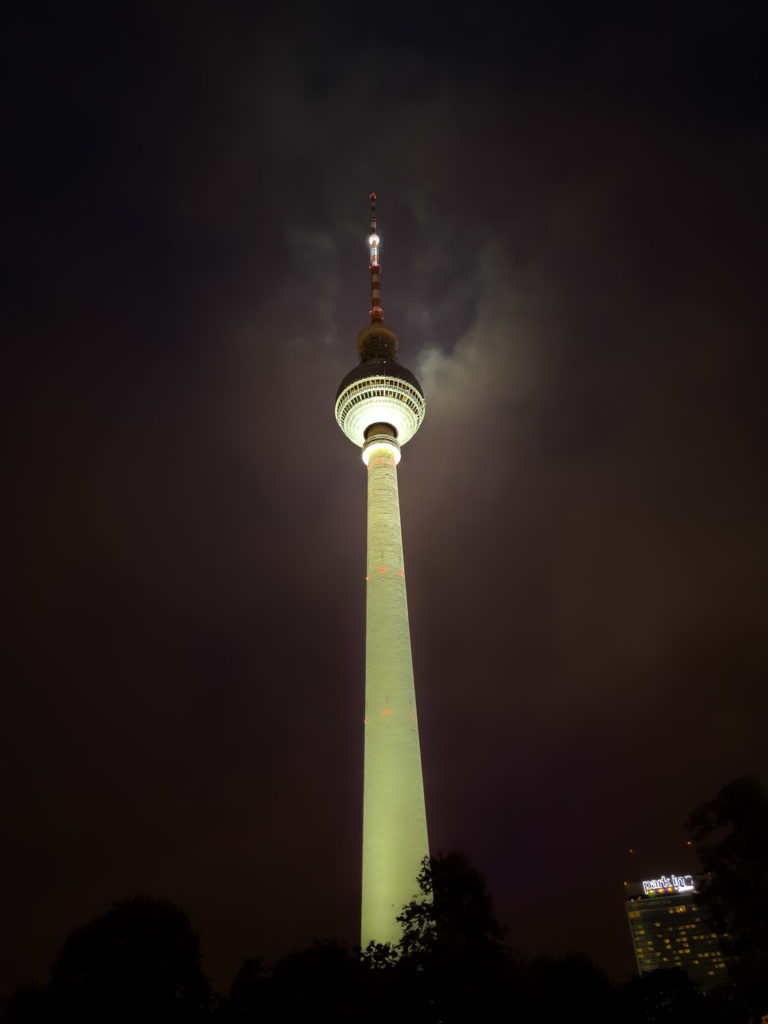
(664, 996)
(730, 833)
(138, 962)
(553, 989)
(248, 995)
(319, 984)
(453, 914)
(452, 964)
(29, 1004)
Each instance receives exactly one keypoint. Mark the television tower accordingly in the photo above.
(380, 406)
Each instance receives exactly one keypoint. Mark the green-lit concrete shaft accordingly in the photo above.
(394, 819)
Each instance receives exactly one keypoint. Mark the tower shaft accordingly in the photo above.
(380, 406)
(394, 817)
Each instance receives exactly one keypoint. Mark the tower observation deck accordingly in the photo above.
(380, 406)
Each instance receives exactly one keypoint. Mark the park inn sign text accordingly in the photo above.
(667, 884)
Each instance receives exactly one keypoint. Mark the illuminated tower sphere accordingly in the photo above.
(380, 406)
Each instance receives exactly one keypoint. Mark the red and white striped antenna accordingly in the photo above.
(374, 266)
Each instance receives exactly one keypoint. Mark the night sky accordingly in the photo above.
(573, 210)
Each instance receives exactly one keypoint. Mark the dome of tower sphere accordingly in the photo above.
(379, 368)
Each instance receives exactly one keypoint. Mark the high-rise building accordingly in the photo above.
(669, 930)
(380, 406)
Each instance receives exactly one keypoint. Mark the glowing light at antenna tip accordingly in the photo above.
(373, 265)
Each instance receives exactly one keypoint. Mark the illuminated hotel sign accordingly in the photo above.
(668, 884)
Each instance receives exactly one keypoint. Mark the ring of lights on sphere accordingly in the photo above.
(370, 399)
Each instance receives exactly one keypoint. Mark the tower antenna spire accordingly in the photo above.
(374, 266)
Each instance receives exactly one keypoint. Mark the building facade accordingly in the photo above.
(668, 930)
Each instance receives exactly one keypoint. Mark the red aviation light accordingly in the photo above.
(383, 568)
(387, 711)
